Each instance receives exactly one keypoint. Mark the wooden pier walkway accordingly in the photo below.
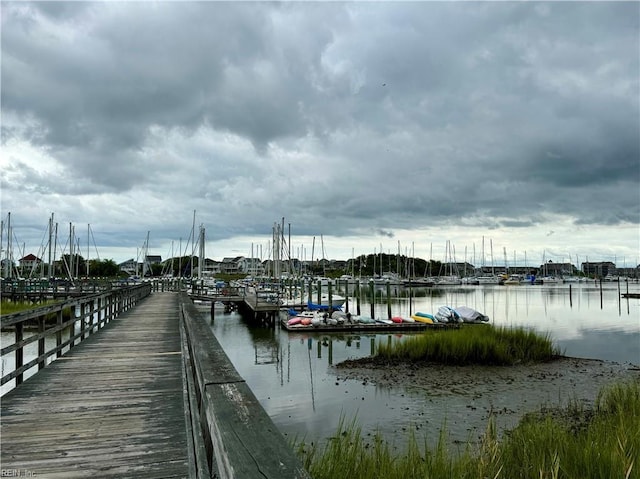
(113, 406)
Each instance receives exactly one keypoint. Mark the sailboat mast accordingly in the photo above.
(201, 252)
(71, 247)
(88, 242)
(50, 238)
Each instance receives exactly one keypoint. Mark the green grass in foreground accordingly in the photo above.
(476, 344)
(570, 443)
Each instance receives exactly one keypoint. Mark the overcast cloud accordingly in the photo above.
(367, 123)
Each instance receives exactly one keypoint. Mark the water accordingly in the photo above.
(292, 376)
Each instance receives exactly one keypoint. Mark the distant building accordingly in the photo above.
(153, 259)
(631, 272)
(557, 269)
(148, 261)
(230, 265)
(599, 270)
(250, 266)
(29, 263)
(130, 266)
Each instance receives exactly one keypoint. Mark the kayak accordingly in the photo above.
(422, 319)
(384, 321)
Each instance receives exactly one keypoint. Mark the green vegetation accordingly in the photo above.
(558, 444)
(473, 344)
(9, 307)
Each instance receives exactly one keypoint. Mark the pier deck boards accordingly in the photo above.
(111, 407)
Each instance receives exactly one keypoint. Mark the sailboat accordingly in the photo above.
(449, 278)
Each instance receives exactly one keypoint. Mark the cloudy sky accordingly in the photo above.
(370, 125)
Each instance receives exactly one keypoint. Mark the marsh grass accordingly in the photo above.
(476, 344)
(544, 445)
(9, 307)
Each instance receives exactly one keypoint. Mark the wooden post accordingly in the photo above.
(358, 293)
(346, 295)
(59, 333)
(83, 317)
(570, 298)
(319, 292)
(213, 314)
(600, 293)
(619, 297)
(100, 312)
(373, 299)
(90, 318)
(389, 299)
(72, 330)
(330, 299)
(19, 354)
(42, 363)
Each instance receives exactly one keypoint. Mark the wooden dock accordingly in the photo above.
(113, 406)
(249, 303)
(149, 393)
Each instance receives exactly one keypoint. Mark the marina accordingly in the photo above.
(294, 374)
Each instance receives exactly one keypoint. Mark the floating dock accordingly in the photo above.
(370, 327)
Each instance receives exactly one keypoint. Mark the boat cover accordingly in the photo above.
(470, 315)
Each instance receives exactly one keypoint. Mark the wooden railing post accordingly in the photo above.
(19, 352)
(72, 330)
(59, 333)
(41, 344)
(92, 311)
(83, 319)
(100, 313)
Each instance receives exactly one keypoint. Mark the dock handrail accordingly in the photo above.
(93, 311)
(231, 433)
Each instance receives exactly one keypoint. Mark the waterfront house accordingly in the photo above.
(130, 267)
(29, 263)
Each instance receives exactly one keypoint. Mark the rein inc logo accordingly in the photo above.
(17, 473)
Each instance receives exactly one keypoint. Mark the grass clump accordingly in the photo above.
(349, 455)
(544, 445)
(481, 344)
(10, 307)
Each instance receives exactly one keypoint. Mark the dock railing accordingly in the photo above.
(231, 434)
(91, 311)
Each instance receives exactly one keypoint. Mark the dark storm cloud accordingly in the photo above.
(370, 116)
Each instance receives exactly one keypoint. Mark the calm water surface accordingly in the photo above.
(291, 372)
(292, 375)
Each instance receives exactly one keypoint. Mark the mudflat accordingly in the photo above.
(464, 397)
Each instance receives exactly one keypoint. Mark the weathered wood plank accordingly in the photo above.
(243, 440)
(113, 406)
